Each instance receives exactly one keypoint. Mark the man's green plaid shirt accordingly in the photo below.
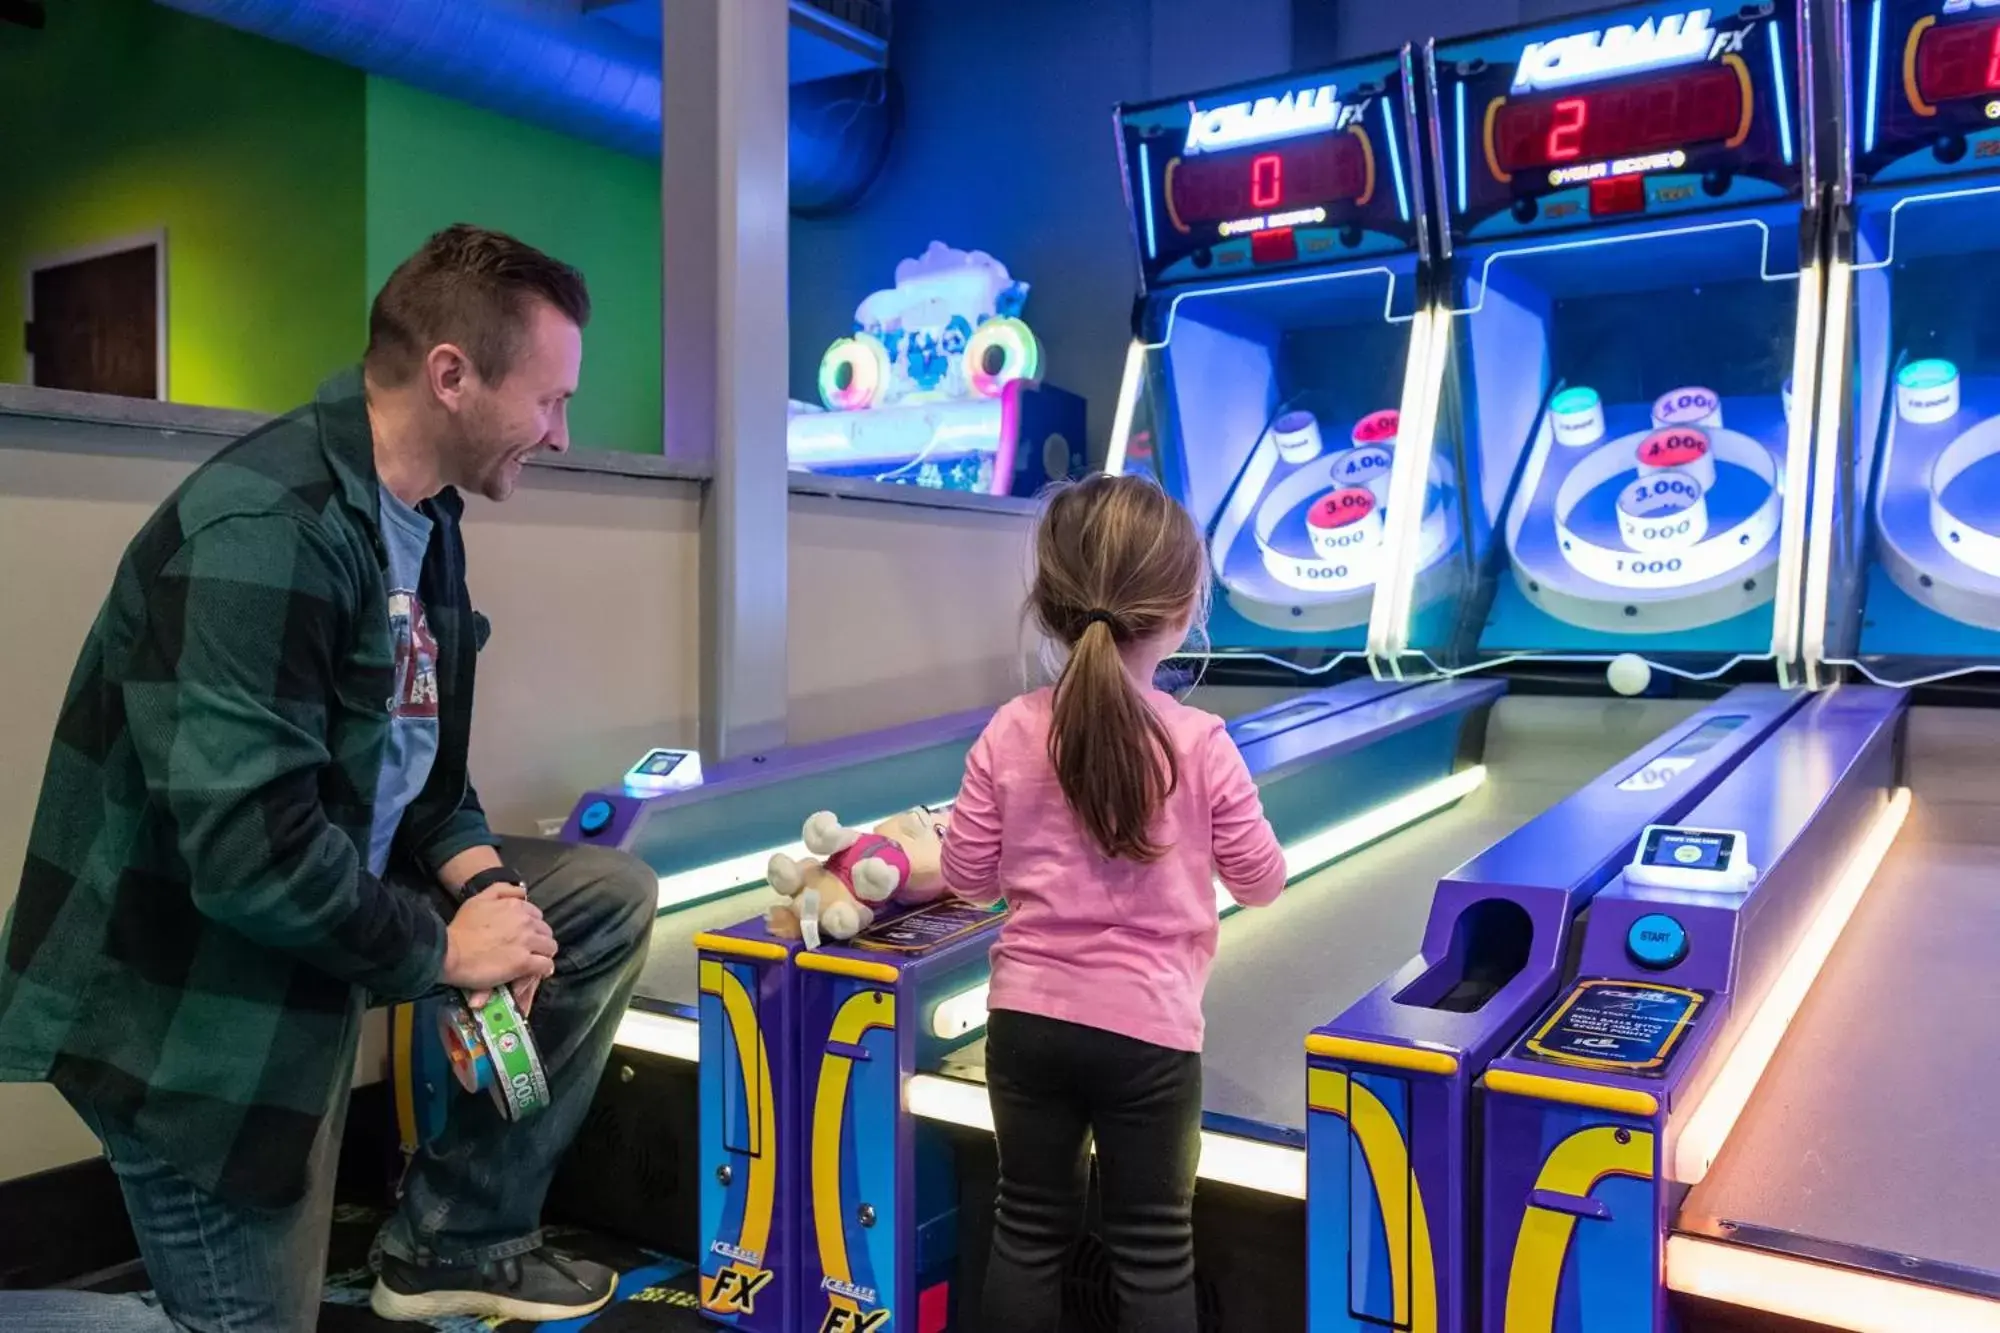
(197, 932)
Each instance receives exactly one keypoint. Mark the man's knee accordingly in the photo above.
(625, 893)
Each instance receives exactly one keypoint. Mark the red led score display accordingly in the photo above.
(1622, 120)
(1959, 60)
(1303, 173)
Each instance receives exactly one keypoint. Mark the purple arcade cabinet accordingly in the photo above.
(1627, 300)
(1834, 1166)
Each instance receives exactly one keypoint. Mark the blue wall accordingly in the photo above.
(1007, 147)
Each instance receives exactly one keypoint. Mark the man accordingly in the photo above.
(270, 715)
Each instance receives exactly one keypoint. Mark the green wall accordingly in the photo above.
(432, 162)
(289, 187)
(123, 117)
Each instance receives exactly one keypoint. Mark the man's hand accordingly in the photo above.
(496, 938)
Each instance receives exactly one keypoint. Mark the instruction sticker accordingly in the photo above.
(926, 927)
(1628, 1026)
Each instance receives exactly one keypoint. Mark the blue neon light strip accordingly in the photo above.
(1784, 90)
(1146, 201)
(1463, 191)
(1395, 160)
(1874, 71)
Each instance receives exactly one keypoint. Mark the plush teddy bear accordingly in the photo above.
(836, 892)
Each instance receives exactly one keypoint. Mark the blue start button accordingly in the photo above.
(594, 818)
(1657, 941)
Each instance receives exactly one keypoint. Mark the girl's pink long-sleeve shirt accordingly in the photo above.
(1119, 945)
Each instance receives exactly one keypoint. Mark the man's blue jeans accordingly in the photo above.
(475, 1196)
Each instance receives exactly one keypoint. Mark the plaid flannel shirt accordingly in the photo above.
(197, 933)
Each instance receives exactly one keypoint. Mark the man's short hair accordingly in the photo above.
(472, 288)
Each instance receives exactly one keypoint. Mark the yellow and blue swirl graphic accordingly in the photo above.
(1376, 1231)
(854, 1115)
(739, 1114)
(1598, 1276)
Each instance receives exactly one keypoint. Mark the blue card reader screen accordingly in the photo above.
(1676, 850)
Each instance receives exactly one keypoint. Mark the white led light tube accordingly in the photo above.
(662, 1034)
(687, 887)
(1712, 1119)
(1820, 1295)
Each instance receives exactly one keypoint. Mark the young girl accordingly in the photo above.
(1102, 809)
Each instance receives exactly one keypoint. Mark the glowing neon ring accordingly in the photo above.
(1378, 428)
(1577, 416)
(492, 1051)
(1678, 449)
(1965, 541)
(1248, 505)
(1717, 555)
(1013, 344)
(854, 373)
(1663, 511)
(1927, 392)
(1370, 467)
(1315, 573)
(1344, 522)
(1297, 436)
(1691, 406)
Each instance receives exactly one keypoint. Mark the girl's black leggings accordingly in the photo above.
(1055, 1087)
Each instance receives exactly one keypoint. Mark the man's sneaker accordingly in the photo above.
(539, 1286)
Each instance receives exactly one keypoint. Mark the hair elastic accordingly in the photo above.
(1104, 618)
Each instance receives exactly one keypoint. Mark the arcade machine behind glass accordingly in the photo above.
(1856, 1186)
(1280, 233)
(1625, 334)
(1633, 311)
(1914, 579)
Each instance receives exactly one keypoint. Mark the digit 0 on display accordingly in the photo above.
(1315, 172)
(1315, 168)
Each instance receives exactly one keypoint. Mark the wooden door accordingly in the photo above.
(96, 325)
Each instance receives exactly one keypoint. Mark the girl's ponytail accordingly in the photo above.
(1117, 561)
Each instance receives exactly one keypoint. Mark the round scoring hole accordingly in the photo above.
(1673, 448)
(1341, 508)
(1378, 427)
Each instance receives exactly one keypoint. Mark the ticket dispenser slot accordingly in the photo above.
(1490, 943)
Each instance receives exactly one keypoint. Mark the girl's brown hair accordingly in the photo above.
(1116, 561)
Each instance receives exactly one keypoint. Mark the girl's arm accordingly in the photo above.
(972, 844)
(1248, 858)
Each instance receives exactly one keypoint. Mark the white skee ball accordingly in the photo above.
(1629, 674)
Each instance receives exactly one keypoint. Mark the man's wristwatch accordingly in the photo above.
(486, 879)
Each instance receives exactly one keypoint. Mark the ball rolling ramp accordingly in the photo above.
(639, 1167)
(710, 843)
(1856, 1188)
(1603, 1122)
(1392, 1099)
(820, 1173)
(1337, 931)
